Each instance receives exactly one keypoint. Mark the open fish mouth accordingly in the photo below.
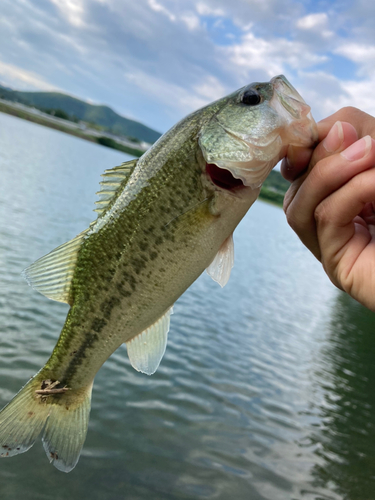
(223, 178)
(250, 171)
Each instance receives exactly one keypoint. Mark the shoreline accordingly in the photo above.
(275, 198)
(56, 124)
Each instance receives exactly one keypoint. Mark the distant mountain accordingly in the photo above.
(5, 88)
(101, 115)
(274, 188)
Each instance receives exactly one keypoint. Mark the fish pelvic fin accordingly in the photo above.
(221, 267)
(62, 414)
(146, 350)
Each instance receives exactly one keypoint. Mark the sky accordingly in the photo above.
(158, 60)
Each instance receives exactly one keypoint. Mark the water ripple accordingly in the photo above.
(262, 393)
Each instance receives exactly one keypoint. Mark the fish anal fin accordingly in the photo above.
(220, 268)
(112, 184)
(146, 349)
(52, 274)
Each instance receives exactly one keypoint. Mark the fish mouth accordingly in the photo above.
(241, 145)
(223, 178)
(302, 129)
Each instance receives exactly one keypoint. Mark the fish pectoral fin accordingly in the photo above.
(52, 274)
(220, 268)
(146, 349)
(112, 184)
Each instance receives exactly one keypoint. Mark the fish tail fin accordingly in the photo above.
(43, 405)
(66, 428)
(21, 421)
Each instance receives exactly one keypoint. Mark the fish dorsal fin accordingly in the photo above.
(221, 266)
(112, 184)
(146, 350)
(52, 274)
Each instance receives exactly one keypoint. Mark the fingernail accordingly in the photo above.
(358, 150)
(286, 170)
(285, 165)
(334, 138)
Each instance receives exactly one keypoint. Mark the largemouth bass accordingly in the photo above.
(162, 220)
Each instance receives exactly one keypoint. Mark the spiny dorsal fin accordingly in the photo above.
(113, 182)
(221, 266)
(52, 274)
(146, 350)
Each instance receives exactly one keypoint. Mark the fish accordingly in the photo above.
(162, 220)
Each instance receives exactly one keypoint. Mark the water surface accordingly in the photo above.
(266, 390)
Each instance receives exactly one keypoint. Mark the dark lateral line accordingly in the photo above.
(90, 339)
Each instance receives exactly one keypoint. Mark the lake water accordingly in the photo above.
(267, 388)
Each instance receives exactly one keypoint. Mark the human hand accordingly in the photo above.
(298, 159)
(331, 205)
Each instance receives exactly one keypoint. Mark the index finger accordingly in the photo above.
(340, 136)
(361, 121)
(298, 158)
(332, 140)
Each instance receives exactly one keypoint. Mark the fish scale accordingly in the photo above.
(162, 220)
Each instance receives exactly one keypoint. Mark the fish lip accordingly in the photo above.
(281, 83)
(288, 96)
(297, 114)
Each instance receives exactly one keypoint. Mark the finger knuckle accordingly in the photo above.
(322, 214)
(350, 111)
(319, 172)
(358, 183)
(293, 220)
(287, 201)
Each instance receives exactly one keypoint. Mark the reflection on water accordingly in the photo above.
(346, 435)
(265, 391)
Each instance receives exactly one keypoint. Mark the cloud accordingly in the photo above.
(23, 79)
(191, 20)
(361, 95)
(362, 54)
(322, 91)
(326, 93)
(272, 57)
(210, 89)
(358, 20)
(72, 10)
(178, 99)
(158, 7)
(159, 59)
(205, 9)
(271, 16)
(313, 22)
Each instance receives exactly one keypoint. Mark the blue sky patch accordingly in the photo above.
(222, 30)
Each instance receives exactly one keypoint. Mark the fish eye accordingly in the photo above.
(251, 97)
